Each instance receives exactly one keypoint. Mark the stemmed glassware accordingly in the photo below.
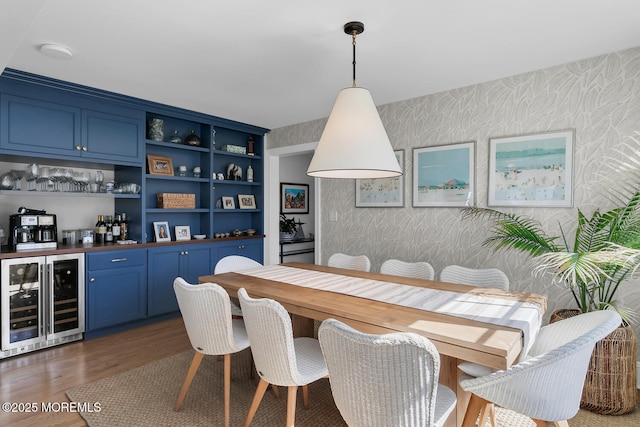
(43, 178)
(32, 172)
(17, 177)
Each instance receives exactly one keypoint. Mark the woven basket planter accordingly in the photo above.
(610, 385)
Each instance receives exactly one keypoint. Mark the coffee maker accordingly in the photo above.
(32, 229)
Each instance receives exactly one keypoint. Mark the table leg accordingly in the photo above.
(302, 326)
(449, 375)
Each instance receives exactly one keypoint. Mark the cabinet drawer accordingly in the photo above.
(116, 259)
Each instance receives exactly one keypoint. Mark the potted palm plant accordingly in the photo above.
(604, 253)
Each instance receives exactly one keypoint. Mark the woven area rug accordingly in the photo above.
(145, 397)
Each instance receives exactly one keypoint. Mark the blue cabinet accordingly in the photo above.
(45, 129)
(39, 127)
(250, 248)
(116, 288)
(165, 263)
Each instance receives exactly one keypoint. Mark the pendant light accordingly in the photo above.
(354, 143)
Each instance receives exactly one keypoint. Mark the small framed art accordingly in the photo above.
(161, 231)
(294, 198)
(532, 170)
(246, 201)
(228, 202)
(160, 165)
(382, 192)
(444, 175)
(183, 232)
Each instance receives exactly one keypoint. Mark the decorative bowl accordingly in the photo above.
(199, 236)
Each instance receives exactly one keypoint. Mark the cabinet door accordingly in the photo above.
(196, 262)
(250, 248)
(164, 265)
(42, 127)
(116, 296)
(116, 287)
(111, 137)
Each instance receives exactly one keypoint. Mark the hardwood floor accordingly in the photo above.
(45, 375)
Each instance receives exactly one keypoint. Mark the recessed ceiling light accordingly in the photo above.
(56, 51)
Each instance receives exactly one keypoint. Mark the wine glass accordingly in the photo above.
(57, 176)
(32, 172)
(17, 177)
(43, 178)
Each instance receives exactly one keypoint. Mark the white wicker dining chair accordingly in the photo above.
(419, 270)
(548, 385)
(279, 358)
(384, 380)
(481, 277)
(352, 262)
(235, 263)
(206, 312)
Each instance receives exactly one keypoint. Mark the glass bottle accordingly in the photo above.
(124, 227)
(101, 230)
(109, 235)
(175, 137)
(116, 228)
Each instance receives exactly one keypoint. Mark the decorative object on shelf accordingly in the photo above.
(182, 170)
(444, 175)
(250, 231)
(213, 138)
(382, 192)
(161, 231)
(294, 198)
(159, 165)
(532, 170)
(220, 176)
(354, 143)
(175, 137)
(196, 172)
(246, 201)
(176, 200)
(183, 232)
(199, 236)
(236, 232)
(287, 228)
(228, 202)
(234, 149)
(234, 172)
(155, 130)
(192, 139)
(250, 146)
(299, 232)
(249, 174)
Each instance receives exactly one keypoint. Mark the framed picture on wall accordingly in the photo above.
(382, 192)
(294, 198)
(444, 175)
(532, 170)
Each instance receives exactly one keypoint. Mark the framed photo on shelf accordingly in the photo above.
(161, 231)
(160, 165)
(246, 201)
(183, 232)
(444, 175)
(382, 192)
(532, 170)
(294, 198)
(228, 202)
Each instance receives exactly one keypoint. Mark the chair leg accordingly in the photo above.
(305, 396)
(291, 405)
(488, 412)
(257, 398)
(475, 407)
(195, 363)
(276, 391)
(227, 389)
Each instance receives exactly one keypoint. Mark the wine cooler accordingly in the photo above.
(41, 302)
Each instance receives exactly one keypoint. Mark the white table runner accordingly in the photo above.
(514, 314)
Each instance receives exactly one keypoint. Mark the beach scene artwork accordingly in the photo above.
(382, 192)
(444, 175)
(531, 170)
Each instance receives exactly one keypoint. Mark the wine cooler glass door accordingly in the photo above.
(66, 295)
(22, 302)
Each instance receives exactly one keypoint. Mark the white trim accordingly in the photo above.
(272, 200)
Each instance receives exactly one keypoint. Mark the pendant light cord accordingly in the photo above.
(353, 37)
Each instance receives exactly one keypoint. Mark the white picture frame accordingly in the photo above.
(161, 231)
(183, 232)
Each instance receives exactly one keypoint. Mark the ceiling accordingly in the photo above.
(279, 62)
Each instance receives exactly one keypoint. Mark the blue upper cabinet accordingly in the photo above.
(108, 136)
(47, 129)
(35, 126)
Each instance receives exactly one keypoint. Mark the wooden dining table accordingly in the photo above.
(457, 339)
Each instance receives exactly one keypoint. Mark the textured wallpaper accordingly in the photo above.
(598, 97)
